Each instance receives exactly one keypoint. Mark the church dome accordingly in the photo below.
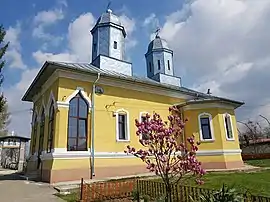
(158, 43)
(108, 17)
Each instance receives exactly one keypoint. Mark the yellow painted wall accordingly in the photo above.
(38, 107)
(105, 123)
(220, 142)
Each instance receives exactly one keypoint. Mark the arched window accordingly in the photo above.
(34, 136)
(41, 132)
(77, 124)
(122, 125)
(50, 128)
(206, 127)
(228, 126)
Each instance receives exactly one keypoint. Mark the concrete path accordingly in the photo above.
(13, 188)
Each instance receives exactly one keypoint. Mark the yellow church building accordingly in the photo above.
(84, 114)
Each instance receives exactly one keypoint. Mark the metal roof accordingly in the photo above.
(158, 43)
(49, 67)
(15, 136)
(108, 17)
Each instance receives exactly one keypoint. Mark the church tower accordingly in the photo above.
(108, 46)
(159, 62)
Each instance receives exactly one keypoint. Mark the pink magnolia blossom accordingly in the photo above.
(163, 150)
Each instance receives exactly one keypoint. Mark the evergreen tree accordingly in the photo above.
(4, 120)
(4, 115)
(3, 48)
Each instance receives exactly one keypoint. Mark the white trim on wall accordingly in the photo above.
(227, 138)
(65, 103)
(62, 153)
(141, 114)
(127, 126)
(50, 100)
(211, 127)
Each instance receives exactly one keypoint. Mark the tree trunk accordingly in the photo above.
(168, 193)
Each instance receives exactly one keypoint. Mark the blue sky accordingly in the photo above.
(223, 45)
(138, 10)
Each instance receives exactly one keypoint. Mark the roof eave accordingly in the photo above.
(233, 103)
(26, 94)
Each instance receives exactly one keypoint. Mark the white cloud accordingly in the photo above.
(20, 111)
(42, 57)
(62, 3)
(45, 19)
(49, 17)
(79, 42)
(150, 19)
(130, 26)
(152, 24)
(223, 45)
(80, 38)
(13, 53)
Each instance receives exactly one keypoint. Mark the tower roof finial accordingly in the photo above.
(108, 6)
(157, 32)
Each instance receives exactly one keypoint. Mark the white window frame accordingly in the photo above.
(230, 117)
(211, 127)
(140, 119)
(122, 111)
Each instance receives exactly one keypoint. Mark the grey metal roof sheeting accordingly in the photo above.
(108, 17)
(157, 43)
(93, 69)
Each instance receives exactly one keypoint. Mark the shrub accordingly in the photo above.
(225, 194)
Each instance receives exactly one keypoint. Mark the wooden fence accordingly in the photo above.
(122, 190)
(156, 189)
(255, 156)
(110, 190)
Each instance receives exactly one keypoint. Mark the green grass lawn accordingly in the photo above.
(73, 197)
(260, 163)
(256, 183)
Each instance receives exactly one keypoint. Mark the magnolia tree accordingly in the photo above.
(163, 151)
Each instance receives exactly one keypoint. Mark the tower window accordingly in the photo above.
(158, 64)
(95, 47)
(150, 67)
(169, 68)
(115, 44)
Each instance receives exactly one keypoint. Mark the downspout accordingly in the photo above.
(92, 126)
(183, 132)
